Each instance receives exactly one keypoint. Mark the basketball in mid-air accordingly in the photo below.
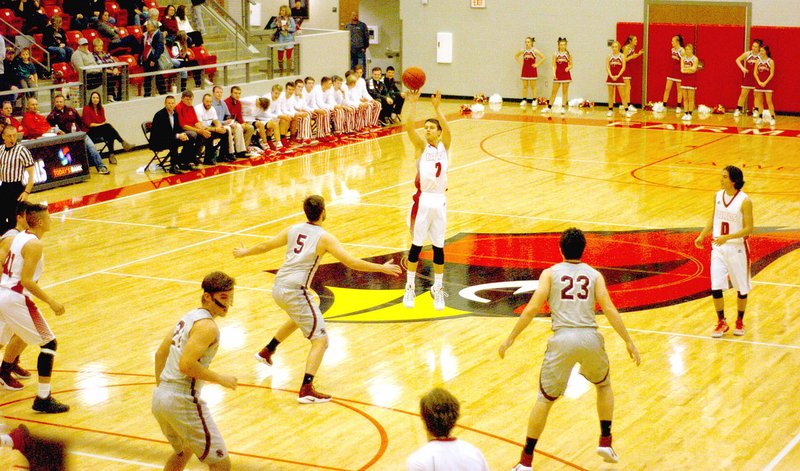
(414, 78)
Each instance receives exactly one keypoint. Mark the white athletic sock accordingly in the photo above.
(44, 390)
(6, 441)
(410, 277)
(437, 280)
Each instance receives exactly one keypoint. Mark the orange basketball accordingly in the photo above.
(414, 78)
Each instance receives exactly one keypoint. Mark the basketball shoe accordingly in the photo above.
(721, 328)
(41, 453)
(264, 356)
(49, 405)
(678, 110)
(737, 113)
(19, 371)
(523, 104)
(9, 382)
(605, 450)
(308, 395)
(632, 109)
(739, 330)
(521, 467)
(438, 297)
(409, 296)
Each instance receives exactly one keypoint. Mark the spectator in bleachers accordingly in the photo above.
(81, 59)
(189, 121)
(67, 120)
(113, 75)
(393, 91)
(237, 146)
(33, 21)
(79, 11)
(96, 8)
(235, 109)
(8, 119)
(169, 24)
(284, 36)
(154, 14)
(126, 45)
(152, 48)
(134, 8)
(167, 134)
(34, 124)
(54, 38)
(94, 121)
(181, 57)
(208, 118)
(26, 71)
(3, 82)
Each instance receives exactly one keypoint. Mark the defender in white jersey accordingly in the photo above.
(306, 244)
(571, 289)
(22, 268)
(428, 216)
(7, 337)
(181, 364)
(439, 411)
(730, 224)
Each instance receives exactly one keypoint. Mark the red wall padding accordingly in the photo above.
(634, 67)
(659, 61)
(720, 80)
(782, 43)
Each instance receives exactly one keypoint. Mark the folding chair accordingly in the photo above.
(160, 160)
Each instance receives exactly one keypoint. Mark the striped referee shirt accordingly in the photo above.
(13, 162)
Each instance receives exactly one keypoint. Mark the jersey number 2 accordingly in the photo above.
(299, 244)
(582, 290)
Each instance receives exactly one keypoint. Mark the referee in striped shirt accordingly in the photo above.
(15, 161)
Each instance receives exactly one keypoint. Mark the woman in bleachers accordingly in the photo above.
(94, 119)
(169, 24)
(285, 28)
(113, 78)
(181, 57)
(152, 48)
(128, 43)
(54, 38)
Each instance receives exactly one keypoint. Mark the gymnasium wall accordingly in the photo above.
(485, 41)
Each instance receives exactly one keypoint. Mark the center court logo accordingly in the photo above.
(495, 274)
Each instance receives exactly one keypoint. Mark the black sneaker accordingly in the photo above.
(49, 405)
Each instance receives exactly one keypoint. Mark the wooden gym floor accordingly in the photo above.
(126, 254)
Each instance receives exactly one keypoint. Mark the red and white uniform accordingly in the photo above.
(529, 72)
(749, 79)
(344, 116)
(689, 81)
(677, 56)
(627, 52)
(374, 105)
(731, 260)
(562, 62)
(322, 102)
(615, 63)
(428, 216)
(447, 453)
(16, 306)
(763, 69)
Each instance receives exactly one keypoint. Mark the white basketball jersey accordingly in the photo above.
(12, 267)
(432, 169)
(571, 297)
(172, 372)
(728, 217)
(301, 260)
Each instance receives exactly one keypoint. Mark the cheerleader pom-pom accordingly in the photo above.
(465, 109)
(541, 101)
(703, 109)
(586, 104)
(719, 110)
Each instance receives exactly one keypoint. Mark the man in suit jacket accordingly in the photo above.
(167, 133)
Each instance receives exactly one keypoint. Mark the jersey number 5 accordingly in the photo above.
(299, 244)
(582, 289)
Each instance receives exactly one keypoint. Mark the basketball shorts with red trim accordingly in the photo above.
(187, 423)
(567, 346)
(730, 262)
(23, 318)
(302, 309)
(430, 221)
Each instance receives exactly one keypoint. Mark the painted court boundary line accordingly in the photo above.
(782, 454)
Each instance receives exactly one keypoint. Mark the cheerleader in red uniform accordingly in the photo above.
(675, 74)
(689, 64)
(615, 67)
(629, 51)
(562, 65)
(531, 58)
(765, 70)
(747, 63)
